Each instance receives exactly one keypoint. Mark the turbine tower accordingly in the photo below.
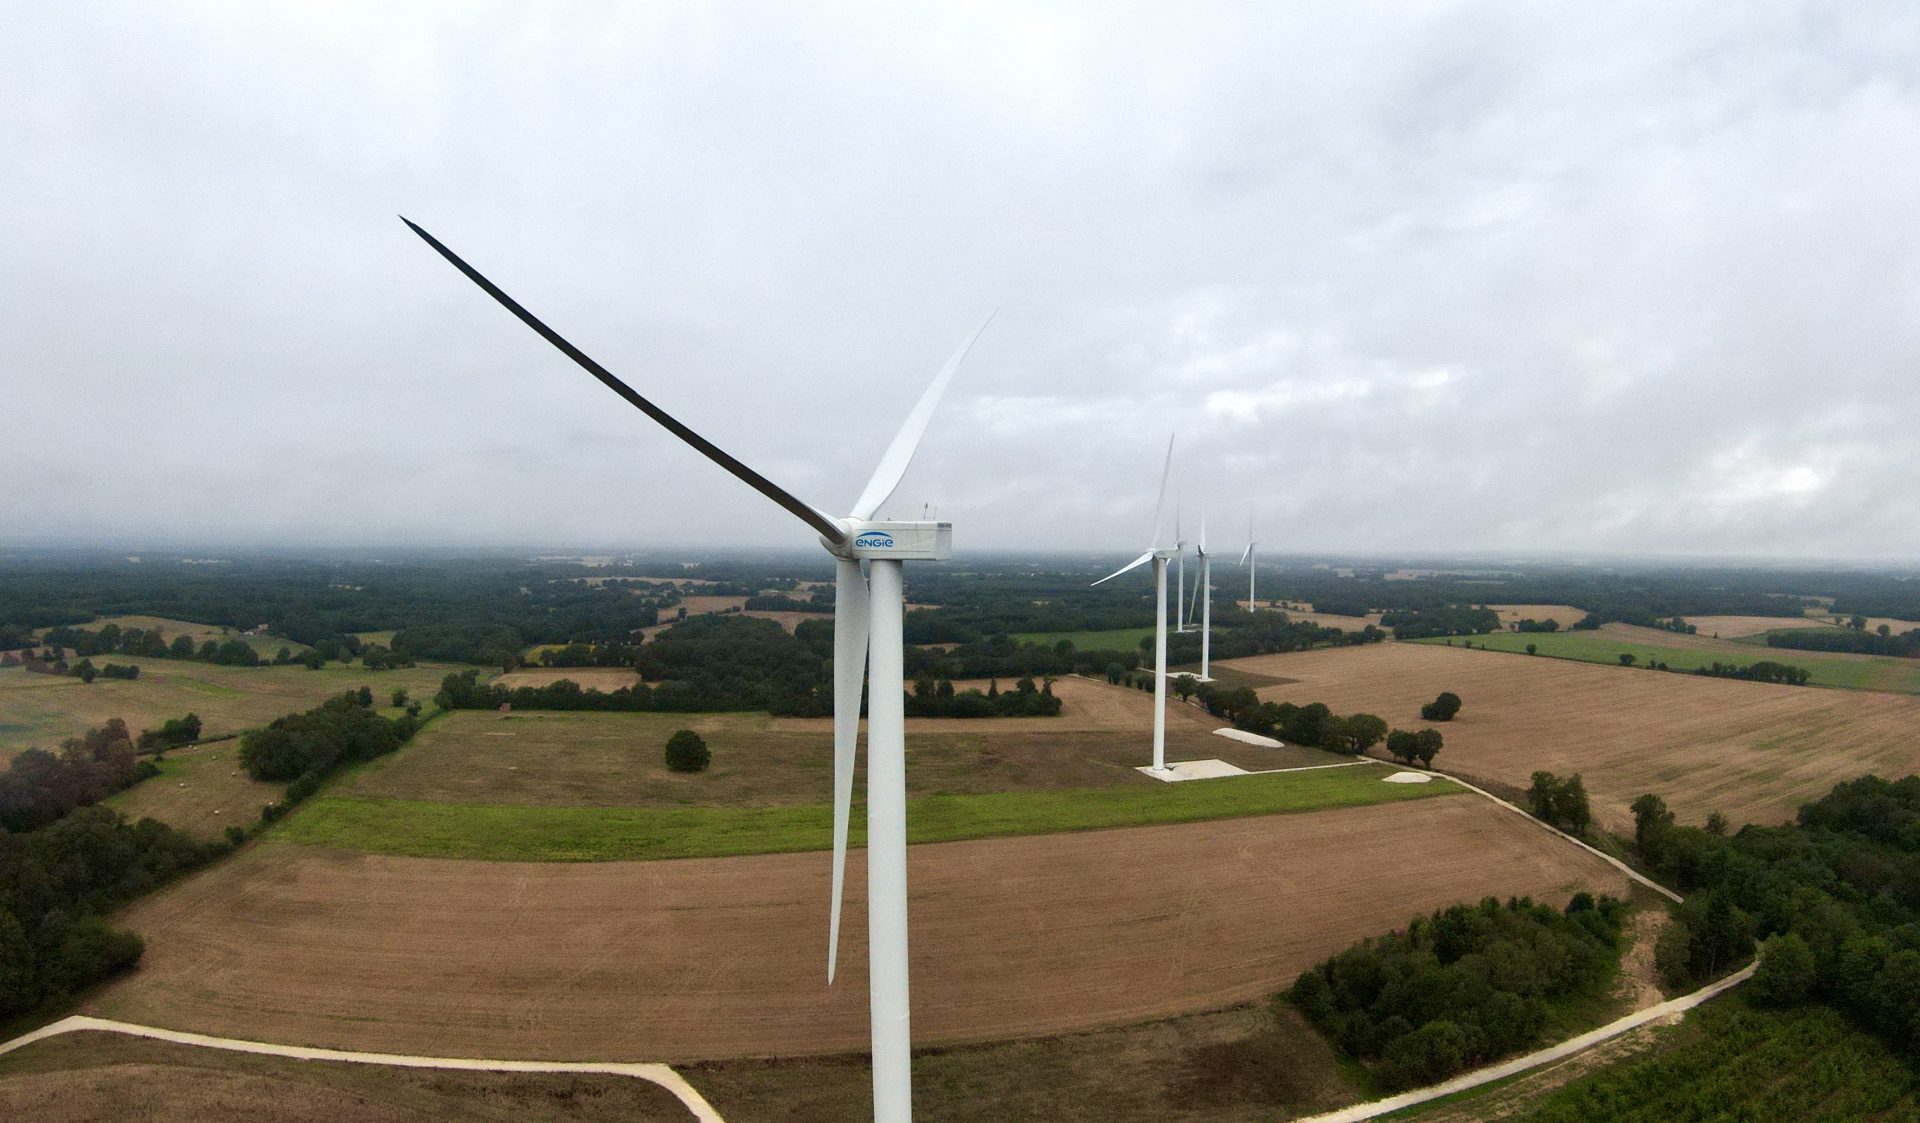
(1183, 618)
(1246, 559)
(1158, 555)
(1206, 600)
(867, 618)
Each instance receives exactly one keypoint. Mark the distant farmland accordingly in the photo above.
(1684, 653)
(1752, 751)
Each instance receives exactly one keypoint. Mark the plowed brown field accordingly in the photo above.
(1565, 614)
(724, 957)
(1752, 751)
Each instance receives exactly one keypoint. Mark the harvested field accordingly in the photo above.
(202, 791)
(1565, 614)
(198, 633)
(1893, 624)
(80, 1077)
(606, 679)
(697, 605)
(1330, 620)
(41, 710)
(1752, 751)
(1734, 627)
(710, 958)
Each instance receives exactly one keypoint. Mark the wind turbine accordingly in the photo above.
(1158, 555)
(1246, 559)
(1181, 615)
(867, 615)
(1206, 599)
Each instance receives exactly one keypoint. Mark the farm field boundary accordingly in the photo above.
(660, 1074)
(494, 832)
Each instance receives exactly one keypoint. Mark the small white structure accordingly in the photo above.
(1408, 778)
(1246, 738)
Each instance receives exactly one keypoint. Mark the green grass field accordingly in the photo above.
(1114, 639)
(491, 832)
(1853, 672)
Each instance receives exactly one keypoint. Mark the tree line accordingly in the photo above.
(938, 698)
(1835, 896)
(1313, 725)
(39, 787)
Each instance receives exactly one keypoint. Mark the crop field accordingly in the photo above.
(589, 678)
(41, 710)
(1752, 751)
(1739, 627)
(202, 791)
(1564, 614)
(1684, 653)
(1113, 639)
(723, 957)
(80, 1077)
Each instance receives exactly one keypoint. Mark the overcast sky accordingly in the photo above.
(1446, 277)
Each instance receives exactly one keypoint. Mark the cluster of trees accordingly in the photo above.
(782, 603)
(590, 655)
(84, 670)
(1835, 896)
(39, 787)
(1442, 620)
(937, 698)
(305, 747)
(1881, 641)
(1560, 802)
(1463, 987)
(1442, 708)
(1676, 624)
(1764, 671)
(173, 732)
(150, 643)
(1410, 747)
(56, 880)
(1313, 725)
(1531, 625)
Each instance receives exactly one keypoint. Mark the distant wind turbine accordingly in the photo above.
(867, 618)
(1246, 559)
(1158, 555)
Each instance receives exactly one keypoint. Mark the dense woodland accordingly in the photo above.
(1461, 988)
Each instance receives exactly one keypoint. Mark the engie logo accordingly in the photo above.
(874, 542)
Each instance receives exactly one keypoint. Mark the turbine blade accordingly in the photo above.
(849, 671)
(1203, 532)
(1134, 564)
(1246, 553)
(805, 511)
(1160, 504)
(899, 454)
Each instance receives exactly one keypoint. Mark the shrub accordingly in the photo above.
(1442, 708)
(687, 752)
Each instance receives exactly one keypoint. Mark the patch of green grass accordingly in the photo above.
(492, 832)
(1113, 639)
(1856, 673)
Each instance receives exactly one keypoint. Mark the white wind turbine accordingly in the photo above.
(1246, 559)
(1181, 617)
(1158, 555)
(1205, 593)
(867, 616)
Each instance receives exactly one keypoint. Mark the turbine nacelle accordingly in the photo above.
(898, 541)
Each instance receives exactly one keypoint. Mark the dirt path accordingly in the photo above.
(659, 1074)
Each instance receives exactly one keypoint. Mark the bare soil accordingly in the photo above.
(711, 958)
(1752, 751)
(81, 1077)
